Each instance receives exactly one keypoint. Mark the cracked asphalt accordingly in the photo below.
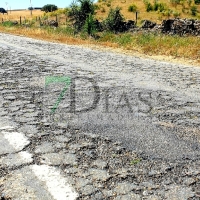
(124, 128)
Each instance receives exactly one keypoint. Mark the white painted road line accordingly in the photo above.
(57, 185)
(15, 139)
(52, 182)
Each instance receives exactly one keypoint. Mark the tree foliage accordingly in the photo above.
(90, 26)
(49, 8)
(80, 11)
(114, 20)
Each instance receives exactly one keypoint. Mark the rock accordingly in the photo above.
(58, 159)
(45, 147)
(51, 23)
(178, 192)
(101, 175)
(148, 24)
(124, 188)
(153, 197)
(81, 182)
(149, 185)
(189, 181)
(100, 164)
(61, 138)
(17, 159)
(107, 193)
(123, 172)
(130, 196)
(88, 190)
(181, 26)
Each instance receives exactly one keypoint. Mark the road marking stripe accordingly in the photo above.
(15, 139)
(57, 185)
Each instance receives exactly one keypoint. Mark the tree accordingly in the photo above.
(90, 26)
(80, 10)
(2, 10)
(49, 8)
(115, 20)
(197, 1)
(194, 10)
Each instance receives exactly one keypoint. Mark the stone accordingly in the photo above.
(189, 181)
(149, 185)
(148, 24)
(88, 190)
(29, 129)
(130, 196)
(101, 175)
(81, 182)
(62, 138)
(100, 164)
(124, 188)
(178, 192)
(15, 160)
(58, 158)
(45, 147)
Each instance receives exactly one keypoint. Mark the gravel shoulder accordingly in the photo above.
(140, 142)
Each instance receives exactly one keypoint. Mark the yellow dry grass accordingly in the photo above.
(15, 15)
(154, 16)
(160, 47)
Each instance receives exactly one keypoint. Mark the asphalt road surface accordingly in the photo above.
(77, 123)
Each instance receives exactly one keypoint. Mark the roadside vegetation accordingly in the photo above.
(79, 25)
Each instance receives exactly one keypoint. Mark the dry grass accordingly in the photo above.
(15, 15)
(165, 47)
(154, 16)
(186, 49)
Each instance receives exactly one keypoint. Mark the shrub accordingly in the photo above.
(161, 7)
(155, 7)
(79, 12)
(49, 8)
(175, 2)
(132, 8)
(197, 1)
(189, 2)
(103, 10)
(89, 26)
(194, 10)
(7, 24)
(148, 6)
(167, 12)
(114, 20)
(176, 14)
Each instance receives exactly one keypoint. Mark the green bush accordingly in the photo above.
(175, 2)
(79, 12)
(103, 10)
(176, 14)
(132, 8)
(167, 13)
(162, 7)
(155, 7)
(89, 26)
(148, 6)
(197, 1)
(189, 2)
(194, 10)
(114, 20)
(49, 8)
(7, 24)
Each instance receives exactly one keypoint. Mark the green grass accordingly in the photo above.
(135, 161)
